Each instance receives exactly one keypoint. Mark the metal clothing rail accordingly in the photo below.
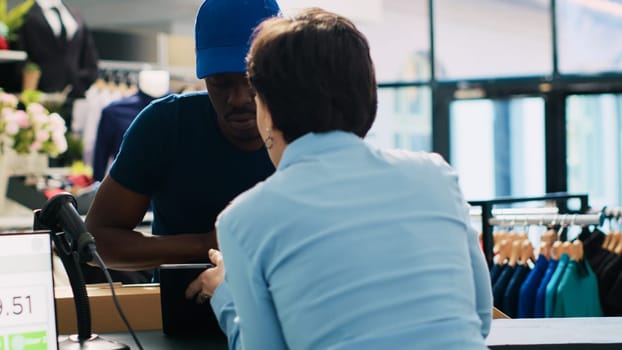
(560, 199)
(555, 219)
(612, 213)
(476, 212)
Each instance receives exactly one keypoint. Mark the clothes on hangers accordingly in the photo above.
(498, 289)
(529, 289)
(551, 287)
(607, 266)
(510, 297)
(495, 271)
(608, 274)
(612, 303)
(540, 307)
(99, 95)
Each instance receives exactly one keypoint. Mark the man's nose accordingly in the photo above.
(240, 95)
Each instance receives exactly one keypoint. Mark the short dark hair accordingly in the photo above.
(315, 74)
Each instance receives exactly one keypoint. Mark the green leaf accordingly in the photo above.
(3, 6)
(15, 17)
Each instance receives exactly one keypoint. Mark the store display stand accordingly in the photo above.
(561, 200)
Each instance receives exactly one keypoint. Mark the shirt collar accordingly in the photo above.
(46, 4)
(316, 143)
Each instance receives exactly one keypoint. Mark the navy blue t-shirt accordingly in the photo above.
(174, 152)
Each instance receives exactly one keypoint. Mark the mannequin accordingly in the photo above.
(155, 83)
(56, 38)
(117, 116)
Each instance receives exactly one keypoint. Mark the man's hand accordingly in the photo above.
(204, 286)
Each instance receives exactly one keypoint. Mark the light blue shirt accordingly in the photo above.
(350, 247)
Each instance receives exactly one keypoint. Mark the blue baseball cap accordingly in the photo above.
(222, 33)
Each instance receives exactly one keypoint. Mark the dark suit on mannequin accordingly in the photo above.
(71, 62)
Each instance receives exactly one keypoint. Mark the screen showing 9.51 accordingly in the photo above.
(27, 313)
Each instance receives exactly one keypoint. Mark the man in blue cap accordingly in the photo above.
(187, 155)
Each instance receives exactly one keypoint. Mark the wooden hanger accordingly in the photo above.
(515, 254)
(577, 250)
(522, 235)
(607, 239)
(566, 248)
(618, 248)
(498, 237)
(505, 248)
(545, 249)
(512, 236)
(556, 250)
(549, 236)
(526, 252)
(613, 242)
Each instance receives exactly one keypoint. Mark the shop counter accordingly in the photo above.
(141, 305)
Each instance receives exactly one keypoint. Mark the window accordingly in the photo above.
(484, 38)
(497, 147)
(594, 159)
(404, 119)
(590, 35)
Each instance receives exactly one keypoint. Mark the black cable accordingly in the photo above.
(102, 265)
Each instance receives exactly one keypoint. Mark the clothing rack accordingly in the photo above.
(118, 72)
(559, 198)
(549, 220)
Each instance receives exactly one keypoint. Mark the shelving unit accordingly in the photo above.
(12, 56)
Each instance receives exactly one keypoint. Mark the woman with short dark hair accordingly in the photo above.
(345, 246)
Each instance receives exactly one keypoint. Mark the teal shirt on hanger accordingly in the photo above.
(551, 288)
(577, 293)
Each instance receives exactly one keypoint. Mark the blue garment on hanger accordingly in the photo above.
(510, 298)
(538, 311)
(498, 289)
(529, 289)
(495, 271)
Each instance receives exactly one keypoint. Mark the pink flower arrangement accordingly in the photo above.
(33, 130)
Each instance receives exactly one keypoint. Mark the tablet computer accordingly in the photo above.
(181, 316)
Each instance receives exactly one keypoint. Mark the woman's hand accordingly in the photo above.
(204, 286)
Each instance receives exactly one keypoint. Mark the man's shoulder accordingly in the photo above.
(186, 105)
(195, 98)
(175, 106)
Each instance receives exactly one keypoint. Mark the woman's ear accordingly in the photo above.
(264, 118)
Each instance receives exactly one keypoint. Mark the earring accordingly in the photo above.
(269, 141)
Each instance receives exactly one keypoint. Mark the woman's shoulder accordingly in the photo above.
(255, 204)
(418, 158)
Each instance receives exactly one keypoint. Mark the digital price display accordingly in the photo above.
(27, 313)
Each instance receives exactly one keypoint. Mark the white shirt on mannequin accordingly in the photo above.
(71, 25)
